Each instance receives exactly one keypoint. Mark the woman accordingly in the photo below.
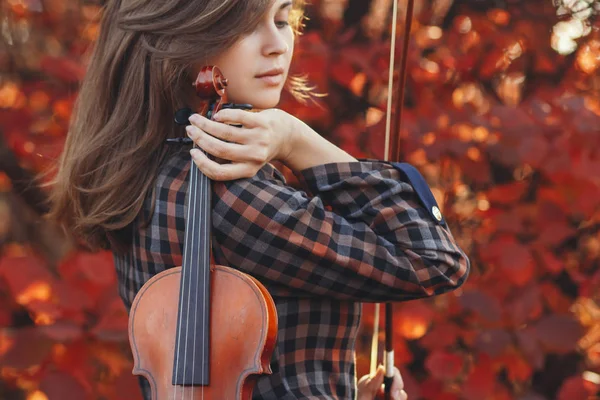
(358, 231)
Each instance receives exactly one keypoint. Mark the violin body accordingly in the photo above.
(243, 323)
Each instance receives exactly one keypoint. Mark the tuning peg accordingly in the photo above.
(182, 116)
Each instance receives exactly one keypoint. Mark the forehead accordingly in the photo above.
(279, 4)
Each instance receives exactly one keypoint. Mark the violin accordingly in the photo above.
(202, 331)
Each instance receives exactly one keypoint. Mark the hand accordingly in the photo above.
(264, 136)
(370, 387)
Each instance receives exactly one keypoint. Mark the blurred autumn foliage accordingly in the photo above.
(502, 116)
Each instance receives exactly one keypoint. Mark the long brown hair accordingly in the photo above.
(137, 77)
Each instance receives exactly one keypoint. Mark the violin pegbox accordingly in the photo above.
(210, 86)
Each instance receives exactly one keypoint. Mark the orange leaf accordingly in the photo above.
(413, 319)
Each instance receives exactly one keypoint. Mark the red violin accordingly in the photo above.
(202, 331)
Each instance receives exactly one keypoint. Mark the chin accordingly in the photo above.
(261, 101)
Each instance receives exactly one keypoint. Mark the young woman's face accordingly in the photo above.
(257, 66)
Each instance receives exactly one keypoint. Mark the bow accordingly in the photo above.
(392, 153)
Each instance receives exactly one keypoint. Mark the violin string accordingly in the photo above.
(206, 209)
(186, 257)
(200, 269)
(206, 266)
(187, 278)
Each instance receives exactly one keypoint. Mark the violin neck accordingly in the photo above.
(191, 347)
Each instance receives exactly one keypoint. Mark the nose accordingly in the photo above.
(275, 42)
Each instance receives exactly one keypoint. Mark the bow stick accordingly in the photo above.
(396, 155)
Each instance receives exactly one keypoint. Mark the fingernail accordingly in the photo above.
(189, 129)
(195, 153)
(396, 394)
(195, 118)
(217, 116)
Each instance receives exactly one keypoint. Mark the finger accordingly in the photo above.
(398, 382)
(245, 118)
(369, 385)
(221, 172)
(217, 147)
(219, 130)
(401, 395)
(377, 379)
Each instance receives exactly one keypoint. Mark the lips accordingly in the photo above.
(271, 72)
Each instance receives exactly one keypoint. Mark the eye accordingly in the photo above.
(282, 19)
(282, 24)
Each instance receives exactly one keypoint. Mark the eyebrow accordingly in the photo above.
(285, 5)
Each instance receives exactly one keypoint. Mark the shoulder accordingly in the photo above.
(170, 187)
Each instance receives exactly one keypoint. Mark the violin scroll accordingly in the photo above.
(210, 86)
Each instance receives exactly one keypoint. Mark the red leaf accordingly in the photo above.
(547, 260)
(29, 348)
(5, 317)
(558, 302)
(508, 222)
(525, 305)
(506, 194)
(113, 323)
(558, 333)
(27, 277)
(127, 387)
(575, 388)
(62, 331)
(73, 297)
(95, 267)
(434, 389)
(443, 365)
(554, 233)
(530, 347)
(493, 341)
(411, 385)
(73, 356)
(532, 396)
(64, 69)
(60, 386)
(485, 305)
(518, 368)
(533, 150)
(515, 260)
(480, 382)
(442, 334)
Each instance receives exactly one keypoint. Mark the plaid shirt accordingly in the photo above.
(357, 233)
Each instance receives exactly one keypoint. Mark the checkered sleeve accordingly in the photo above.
(359, 233)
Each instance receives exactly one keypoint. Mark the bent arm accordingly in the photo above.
(362, 235)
